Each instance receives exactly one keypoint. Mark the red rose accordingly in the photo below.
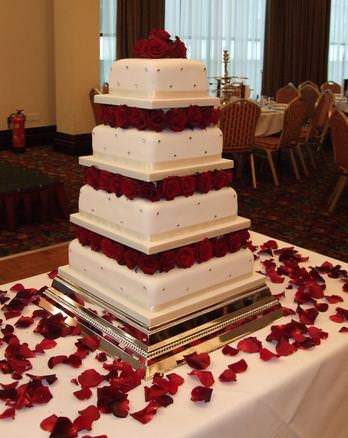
(188, 185)
(112, 249)
(195, 117)
(204, 250)
(234, 242)
(156, 120)
(91, 175)
(177, 119)
(139, 48)
(138, 118)
(94, 241)
(215, 116)
(204, 182)
(121, 115)
(148, 263)
(131, 258)
(244, 235)
(160, 33)
(167, 260)
(149, 191)
(221, 247)
(220, 179)
(185, 257)
(156, 48)
(177, 49)
(130, 187)
(108, 115)
(104, 180)
(170, 187)
(229, 177)
(83, 236)
(115, 184)
(207, 112)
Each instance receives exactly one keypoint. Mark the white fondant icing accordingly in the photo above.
(155, 150)
(160, 289)
(152, 219)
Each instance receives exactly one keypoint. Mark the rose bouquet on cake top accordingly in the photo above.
(159, 45)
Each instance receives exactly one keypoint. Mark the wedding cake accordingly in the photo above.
(159, 238)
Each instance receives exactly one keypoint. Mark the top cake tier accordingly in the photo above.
(158, 83)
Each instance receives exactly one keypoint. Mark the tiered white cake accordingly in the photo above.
(160, 226)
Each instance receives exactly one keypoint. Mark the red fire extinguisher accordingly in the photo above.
(16, 123)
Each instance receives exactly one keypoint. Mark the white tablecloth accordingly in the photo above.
(304, 395)
(270, 122)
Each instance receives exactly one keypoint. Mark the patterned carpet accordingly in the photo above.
(295, 212)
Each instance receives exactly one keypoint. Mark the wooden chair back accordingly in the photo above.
(321, 115)
(313, 84)
(238, 124)
(331, 85)
(294, 118)
(287, 93)
(339, 134)
(309, 95)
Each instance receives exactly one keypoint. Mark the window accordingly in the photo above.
(338, 42)
(209, 26)
(107, 37)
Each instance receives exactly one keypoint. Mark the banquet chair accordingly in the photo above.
(294, 117)
(309, 95)
(238, 123)
(331, 85)
(287, 93)
(339, 134)
(314, 134)
(313, 84)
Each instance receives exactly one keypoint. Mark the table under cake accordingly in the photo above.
(301, 395)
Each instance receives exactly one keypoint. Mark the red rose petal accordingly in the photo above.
(120, 408)
(229, 351)
(321, 307)
(90, 378)
(63, 428)
(55, 360)
(198, 361)
(228, 376)
(53, 274)
(201, 393)
(343, 330)
(41, 395)
(175, 378)
(12, 314)
(317, 334)
(205, 377)
(238, 367)
(24, 322)
(86, 418)
(337, 318)
(333, 299)
(284, 348)
(8, 413)
(45, 344)
(154, 391)
(83, 394)
(267, 355)
(50, 378)
(249, 345)
(287, 311)
(307, 316)
(18, 287)
(145, 415)
(91, 342)
(345, 287)
(49, 423)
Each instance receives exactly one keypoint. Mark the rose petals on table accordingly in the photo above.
(86, 418)
(198, 361)
(63, 427)
(267, 355)
(228, 375)
(333, 299)
(18, 287)
(145, 415)
(307, 316)
(343, 330)
(24, 322)
(175, 378)
(50, 378)
(284, 348)
(83, 394)
(90, 378)
(229, 351)
(238, 367)
(55, 360)
(321, 307)
(53, 274)
(49, 423)
(205, 377)
(45, 344)
(249, 345)
(201, 393)
(8, 413)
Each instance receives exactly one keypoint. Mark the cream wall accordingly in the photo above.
(77, 68)
(26, 62)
